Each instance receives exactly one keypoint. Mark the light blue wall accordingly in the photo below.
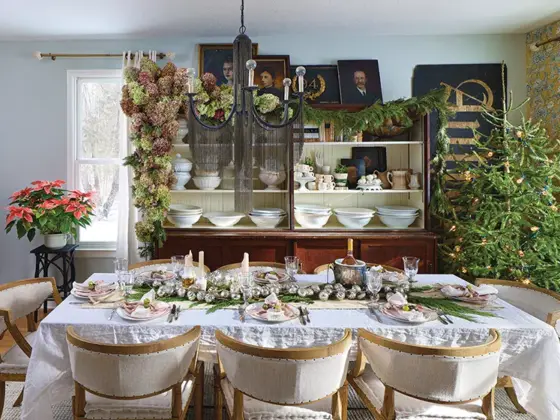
(33, 96)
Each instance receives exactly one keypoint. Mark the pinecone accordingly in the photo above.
(161, 147)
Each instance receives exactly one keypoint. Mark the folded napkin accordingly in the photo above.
(93, 286)
(271, 299)
(486, 289)
(114, 296)
(470, 291)
(395, 305)
(452, 291)
(146, 307)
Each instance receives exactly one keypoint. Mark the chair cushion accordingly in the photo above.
(259, 410)
(156, 407)
(15, 360)
(413, 409)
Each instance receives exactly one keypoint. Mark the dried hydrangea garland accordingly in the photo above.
(151, 98)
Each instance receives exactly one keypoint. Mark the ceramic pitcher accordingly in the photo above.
(414, 181)
(383, 177)
(398, 179)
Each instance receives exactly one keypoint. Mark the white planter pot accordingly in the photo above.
(341, 176)
(56, 240)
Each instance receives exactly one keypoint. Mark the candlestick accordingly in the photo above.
(245, 264)
(300, 72)
(190, 80)
(287, 82)
(251, 66)
(201, 263)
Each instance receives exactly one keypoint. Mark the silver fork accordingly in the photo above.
(112, 314)
(306, 313)
(177, 312)
(241, 312)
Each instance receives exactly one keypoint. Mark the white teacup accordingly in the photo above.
(298, 174)
(362, 181)
(312, 185)
(328, 178)
(329, 186)
(370, 178)
(322, 186)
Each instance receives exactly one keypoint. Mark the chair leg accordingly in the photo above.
(19, 400)
(31, 324)
(199, 393)
(388, 409)
(510, 391)
(344, 401)
(2, 396)
(488, 405)
(218, 397)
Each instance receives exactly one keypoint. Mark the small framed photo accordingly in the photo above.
(360, 82)
(218, 60)
(270, 72)
(320, 84)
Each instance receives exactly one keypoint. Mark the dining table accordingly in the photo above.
(530, 351)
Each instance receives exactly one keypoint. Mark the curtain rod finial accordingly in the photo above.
(170, 55)
(38, 55)
(534, 47)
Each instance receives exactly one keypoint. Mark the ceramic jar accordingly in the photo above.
(182, 132)
(55, 240)
(414, 181)
(398, 179)
(180, 164)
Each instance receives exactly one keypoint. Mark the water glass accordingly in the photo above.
(121, 265)
(246, 283)
(374, 283)
(292, 266)
(177, 263)
(411, 267)
(126, 283)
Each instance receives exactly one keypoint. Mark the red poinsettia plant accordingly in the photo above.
(49, 208)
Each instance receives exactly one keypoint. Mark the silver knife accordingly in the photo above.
(112, 313)
(241, 312)
(171, 314)
(306, 312)
(374, 312)
(441, 317)
(302, 316)
(177, 311)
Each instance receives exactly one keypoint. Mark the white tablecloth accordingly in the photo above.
(530, 348)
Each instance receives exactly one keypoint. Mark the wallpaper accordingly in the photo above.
(543, 78)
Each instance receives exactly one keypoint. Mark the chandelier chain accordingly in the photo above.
(242, 28)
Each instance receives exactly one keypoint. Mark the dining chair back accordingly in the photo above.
(542, 303)
(132, 370)
(160, 262)
(325, 267)
(253, 264)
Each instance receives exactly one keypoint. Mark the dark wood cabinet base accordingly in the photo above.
(312, 248)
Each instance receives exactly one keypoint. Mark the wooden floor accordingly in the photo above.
(7, 341)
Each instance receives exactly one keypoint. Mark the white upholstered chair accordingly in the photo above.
(148, 264)
(541, 303)
(154, 380)
(20, 299)
(295, 383)
(396, 380)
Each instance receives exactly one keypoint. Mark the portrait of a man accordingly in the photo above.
(359, 81)
(270, 72)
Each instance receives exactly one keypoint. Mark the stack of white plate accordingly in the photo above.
(267, 217)
(398, 217)
(183, 215)
(354, 217)
(312, 216)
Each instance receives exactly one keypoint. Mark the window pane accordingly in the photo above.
(104, 180)
(98, 119)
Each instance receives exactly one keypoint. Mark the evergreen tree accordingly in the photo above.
(502, 219)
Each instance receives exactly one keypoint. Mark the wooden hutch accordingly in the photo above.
(374, 243)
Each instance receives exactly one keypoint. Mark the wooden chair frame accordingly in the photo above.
(18, 336)
(339, 398)
(253, 264)
(552, 318)
(195, 372)
(324, 267)
(163, 261)
(388, 409)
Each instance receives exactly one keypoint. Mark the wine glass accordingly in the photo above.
(411, 267)
(292, 266)
(127, 283)
(374, 284)
(121, 265)
(177, 262)
(246, 282)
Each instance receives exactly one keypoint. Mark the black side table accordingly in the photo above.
(44, 257)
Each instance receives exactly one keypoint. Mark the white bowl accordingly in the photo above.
(224, 219)
(397, 222)
(312, 208)
(266, 221)
(310, 220)
(184, 209)
(183, 221)
(207, 183)
(354, 211)
(353, 222)
(272, 178)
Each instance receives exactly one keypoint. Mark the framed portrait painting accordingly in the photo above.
(270, 72)
(359, 81)
(218, 60)
(320, 84)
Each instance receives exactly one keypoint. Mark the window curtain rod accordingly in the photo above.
(536, 46)
(53, 56)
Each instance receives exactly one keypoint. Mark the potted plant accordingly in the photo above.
(341, 174)
(53, 211)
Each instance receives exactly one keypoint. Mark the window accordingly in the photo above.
(96, 130)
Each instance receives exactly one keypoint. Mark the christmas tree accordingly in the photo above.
(502, 219)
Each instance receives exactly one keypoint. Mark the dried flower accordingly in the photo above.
(131, 74)
(161, 147)
(152, 90)
(169, 69)
(208, 82)
(144, 78)
(165, 85)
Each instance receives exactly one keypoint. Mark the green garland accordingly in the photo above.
(450, 308)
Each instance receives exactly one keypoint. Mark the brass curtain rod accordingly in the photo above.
(53, 56)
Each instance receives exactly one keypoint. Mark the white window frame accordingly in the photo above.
(101, 249)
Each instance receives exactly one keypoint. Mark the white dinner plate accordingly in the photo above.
(124, 315)
(268, 211)
(254, 307)
(397, 210)
(354, 211)
(312, 208)
(429, 315)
